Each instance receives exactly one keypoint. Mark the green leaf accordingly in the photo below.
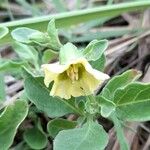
(59, 124)
(99, 64)
(95, 50)
(35, 138)
(90, 137)
(22, 34)
(69, 52)
(107, 107)
(26, 52)
(10, 65)
(40, 38)
(49, 56)
(3, 31)
(2, 88)
(49, 39)
(10, 119)
(133, 102)
(32, 37)
(119, 82)
(39, 95)
(53, 34)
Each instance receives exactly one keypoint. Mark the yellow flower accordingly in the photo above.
(76, 78)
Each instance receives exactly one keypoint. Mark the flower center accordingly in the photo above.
(72, 72)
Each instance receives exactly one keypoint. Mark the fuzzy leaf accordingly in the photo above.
(26, 52)
(22, 34)
(107, 107)
(53, 34)
(35, 138)
(95, 50)
(69, 52)
(10, 119)
(90, 137)
(40, 38)
(119, 82)
(10, 65)
(133, 102)
(49, 56)
(99, 64)
(59, 124)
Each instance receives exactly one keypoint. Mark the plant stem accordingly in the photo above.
(91, 105)
(73, 108)
(120, 133)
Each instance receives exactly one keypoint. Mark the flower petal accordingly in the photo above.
(49, 77)
(77, 89)
(56, 67)
(61, 88)
(97, 74)
(65, 88)
(89, 83)
(51, 71)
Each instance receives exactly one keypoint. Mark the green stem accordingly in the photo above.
(92, 106)
(91, 98)
(73, 108)
(120, 134)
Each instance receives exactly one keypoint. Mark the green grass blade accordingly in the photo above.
(59, 5)
(75, 17)
(109, 33)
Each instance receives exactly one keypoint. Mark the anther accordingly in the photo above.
(72, 73)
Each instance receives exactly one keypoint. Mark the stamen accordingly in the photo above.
(75, 69)
(72, 73)
(76, 76)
